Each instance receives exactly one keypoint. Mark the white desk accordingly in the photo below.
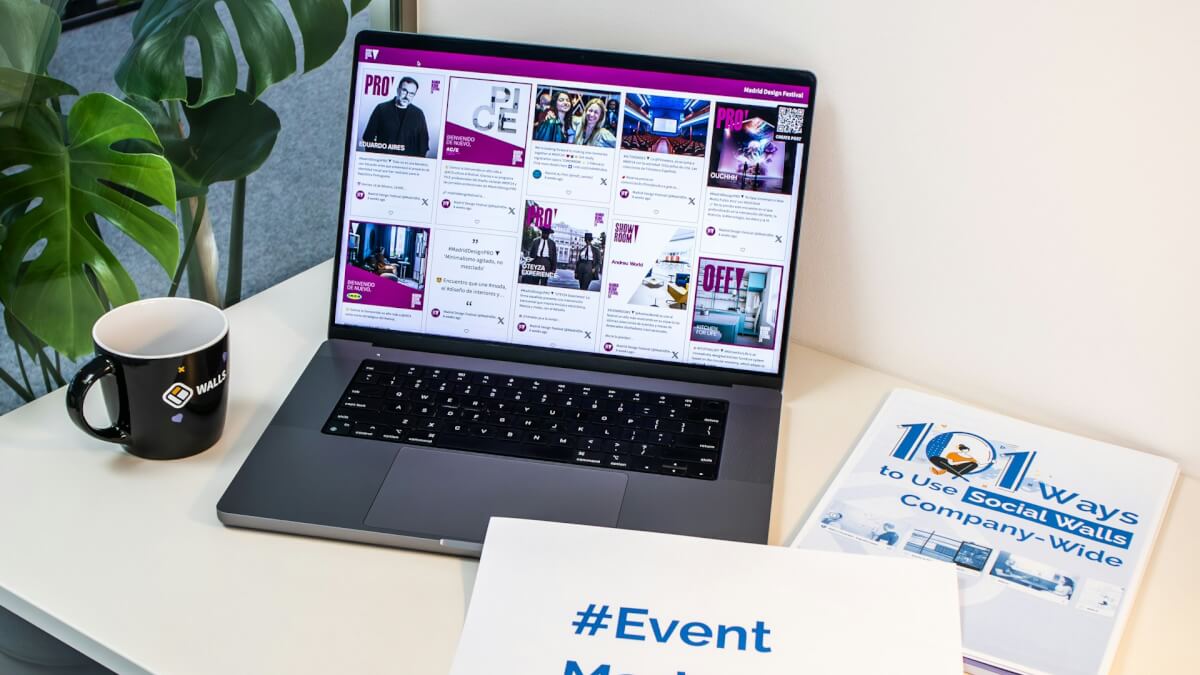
(124, 559)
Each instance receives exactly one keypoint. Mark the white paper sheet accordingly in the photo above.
(555, 599)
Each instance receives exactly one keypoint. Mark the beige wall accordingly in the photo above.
(1003, 197)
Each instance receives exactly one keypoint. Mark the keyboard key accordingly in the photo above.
(365, 390)
(358, 403)
(616, 461)
(366, 430)
(659, 438)
(697, 442)
(586, 457)
(377, 367)
(689, 455)
(646, 450)
(366, 377)
(704, 417)
(618, 446)
(594, 444)
(339, 428)
(674, 469)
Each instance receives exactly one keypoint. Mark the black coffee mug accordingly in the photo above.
(162, 365)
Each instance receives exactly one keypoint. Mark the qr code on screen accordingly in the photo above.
(791, 123)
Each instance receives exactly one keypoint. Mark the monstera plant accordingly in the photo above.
(132, 163)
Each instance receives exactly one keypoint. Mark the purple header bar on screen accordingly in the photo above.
(617, 77)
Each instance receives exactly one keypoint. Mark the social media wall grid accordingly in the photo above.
(609, 218)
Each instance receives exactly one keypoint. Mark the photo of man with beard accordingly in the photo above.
(398, 124)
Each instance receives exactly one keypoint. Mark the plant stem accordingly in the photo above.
(189, 244)
(21, 365)
(87, 271)
(55, 369)
(233, 279)
(11, 381)
(45, 375)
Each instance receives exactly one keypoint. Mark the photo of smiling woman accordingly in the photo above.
(592, 129)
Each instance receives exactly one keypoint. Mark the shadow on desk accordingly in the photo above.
(27, 650)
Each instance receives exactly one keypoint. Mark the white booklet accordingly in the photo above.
(555, 599)
(1049, 532)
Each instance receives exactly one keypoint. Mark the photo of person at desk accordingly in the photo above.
(1034, 575)
(391, 252)
(737, 303)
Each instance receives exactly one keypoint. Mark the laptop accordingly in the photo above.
(561, 291)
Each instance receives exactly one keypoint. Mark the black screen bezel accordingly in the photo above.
(565, 357)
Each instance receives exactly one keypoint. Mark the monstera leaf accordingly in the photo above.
(20, 88)
(153, 67)
(48, 246)
(228, 138)
(28, 35)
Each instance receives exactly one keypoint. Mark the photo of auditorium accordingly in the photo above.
(676, 126)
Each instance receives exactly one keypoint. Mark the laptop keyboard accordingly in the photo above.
(533, 418)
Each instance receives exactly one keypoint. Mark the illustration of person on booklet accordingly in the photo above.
(887, 534)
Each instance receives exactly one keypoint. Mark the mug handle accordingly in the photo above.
(77, 392)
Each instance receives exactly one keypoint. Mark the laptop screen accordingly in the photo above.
(619, 212)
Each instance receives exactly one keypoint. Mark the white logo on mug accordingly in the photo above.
(177, 395)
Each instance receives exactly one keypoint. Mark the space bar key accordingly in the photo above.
(496, 446)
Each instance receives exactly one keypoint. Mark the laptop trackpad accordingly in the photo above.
(451, 495)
